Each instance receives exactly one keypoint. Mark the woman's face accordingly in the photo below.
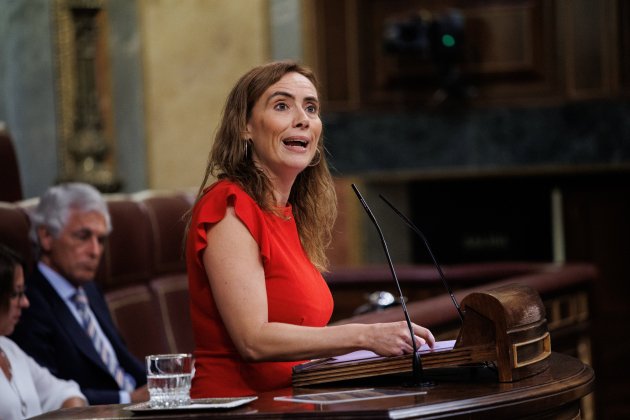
(285, 127)
(17, 302)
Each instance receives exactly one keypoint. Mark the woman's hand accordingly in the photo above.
(74, 402)
(394, 338)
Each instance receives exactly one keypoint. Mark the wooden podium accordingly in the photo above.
(501, 366)
(505, 327)
(552, 394)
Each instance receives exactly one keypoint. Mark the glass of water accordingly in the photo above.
(168, 379)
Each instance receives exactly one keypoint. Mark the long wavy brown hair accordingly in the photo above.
(312, 197)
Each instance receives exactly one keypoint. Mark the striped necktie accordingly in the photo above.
(89, 325)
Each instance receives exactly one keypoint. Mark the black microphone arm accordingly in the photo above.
(417, 363)
(426, 243)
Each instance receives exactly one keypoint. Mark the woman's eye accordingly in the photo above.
(311, 109)
(281, 106)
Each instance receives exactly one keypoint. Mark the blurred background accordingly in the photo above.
(502, 127)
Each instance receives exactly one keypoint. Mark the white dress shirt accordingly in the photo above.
(32, 389)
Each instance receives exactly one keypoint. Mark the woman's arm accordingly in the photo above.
(52, 392)
(237, 279)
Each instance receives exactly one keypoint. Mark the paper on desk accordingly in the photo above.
(349, 395)
(366, 354)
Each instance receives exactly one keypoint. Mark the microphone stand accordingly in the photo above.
(418, 379)
(426, 243)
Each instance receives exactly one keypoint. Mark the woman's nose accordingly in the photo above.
(301, 118)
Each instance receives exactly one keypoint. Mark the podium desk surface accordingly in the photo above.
(458, 393)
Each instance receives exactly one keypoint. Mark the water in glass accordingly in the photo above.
(168, 379)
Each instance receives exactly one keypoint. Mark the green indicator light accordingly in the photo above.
(448, 40)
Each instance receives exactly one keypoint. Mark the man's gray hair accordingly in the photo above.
(55, 206)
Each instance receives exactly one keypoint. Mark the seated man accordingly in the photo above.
(68, 328)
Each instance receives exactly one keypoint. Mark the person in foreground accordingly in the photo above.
(68, 328)
(26, 388)
(256, 244)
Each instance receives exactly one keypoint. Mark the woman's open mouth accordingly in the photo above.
(296, 143)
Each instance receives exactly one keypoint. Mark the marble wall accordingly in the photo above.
(172, 64)
(194, 51)
(27, 97)
(574, 134)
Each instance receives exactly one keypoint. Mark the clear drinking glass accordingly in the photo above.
(168, 379)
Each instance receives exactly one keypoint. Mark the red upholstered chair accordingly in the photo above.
(10, 185)
(166, 212)
(14, 228)
(138, 320)
(172, 297)
(127, 259)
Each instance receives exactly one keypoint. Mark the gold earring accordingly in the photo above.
(245, 147)
(319, 158)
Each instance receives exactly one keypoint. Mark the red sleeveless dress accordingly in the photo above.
(296, 294)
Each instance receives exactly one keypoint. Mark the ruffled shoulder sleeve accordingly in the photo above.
(211, 209)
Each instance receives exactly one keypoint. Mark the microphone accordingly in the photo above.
(426, 243)
(418, 376)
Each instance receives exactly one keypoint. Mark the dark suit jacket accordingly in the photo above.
(49, 333)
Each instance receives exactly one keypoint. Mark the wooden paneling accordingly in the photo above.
(623, 47)
(336, 50)
(598, 230)
(511, 52)
(589, 27)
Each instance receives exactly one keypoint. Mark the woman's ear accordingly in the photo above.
(246, 135)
